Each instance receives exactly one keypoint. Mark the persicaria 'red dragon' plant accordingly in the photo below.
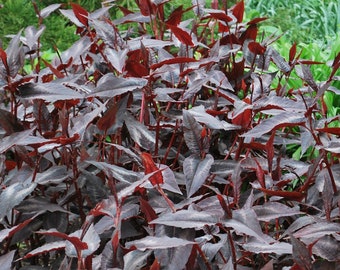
(160, 143)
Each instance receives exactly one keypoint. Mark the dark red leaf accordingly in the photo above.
(222, 28)
(221, 16)
(9, 232)
(148, 211)
(155, 265)
(270, 151)
(256, 48)
(260, 174)
(336, 60)
(3, 57)
(292, 52)
(125, 10)
(176, 16)
(331, 130)
(109, 117)
(79, 245)
(181, 35)
(46, 248)
(145, 7)
(81, 14)
(214, 4)
(250, 33)
(176, 60)
(55, 71)
(150, 167)
(224, 205)
(238, 11)
(256, 20)
(310, 62)
(290, 195)
(244, 118)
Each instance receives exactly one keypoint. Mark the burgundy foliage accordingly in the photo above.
(166, 145)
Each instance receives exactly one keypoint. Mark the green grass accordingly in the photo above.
(16, 15)
(302, 20)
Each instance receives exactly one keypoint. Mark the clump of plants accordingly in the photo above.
(167, 145)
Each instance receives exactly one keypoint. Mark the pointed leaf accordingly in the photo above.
(75, 51)
(171, 61)
(305, 73)
(170, 182)
(257, 247)
(256, 20)
(245, 221)
(91, 240)
(72, 238)
(292, 52)
(192, 133)
(280, 62)
(196, 172)
(272, 210)
(176, 16)
(9, 233)
(140, 133)
(7, 260)
(80, 13)
(111, 86)
(301, 254)
(330, 130)
(46, 248)
(81, 122)
(187, 219)
(220, 15)
(154, 242)
(145, 7)
(13, 195)
(328, 248)
(15, 56)
(317, 230)
(210, 121)
(136, 259)
(45, 12)
(38, 205)
(9, 122)
(117, 58)
(256, 48)
(150, 167)
(117, 172)
(183, 36)
(109, 117)
(284, 119)
(238, 11)
(50, 92)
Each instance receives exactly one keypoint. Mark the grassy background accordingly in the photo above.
(15, 15)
